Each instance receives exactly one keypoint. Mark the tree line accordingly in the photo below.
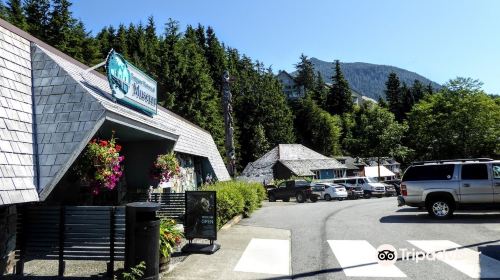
(413, 122)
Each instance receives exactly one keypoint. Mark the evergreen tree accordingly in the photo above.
(320, 91)
(60, 24)
(121, 43)
(429, 90)
(259, 143)
(393, 95)
(339, 99)
(407, 101)
(37, 17)
(15, 14)
(170, 67)
(151, 49)
(417, 91)
(305, 73)
(216, 58)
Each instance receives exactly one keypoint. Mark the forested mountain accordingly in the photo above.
(368, 79)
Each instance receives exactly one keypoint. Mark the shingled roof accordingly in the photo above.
(299, 159)
(74, 102)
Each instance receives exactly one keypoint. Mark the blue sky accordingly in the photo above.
(438, 39)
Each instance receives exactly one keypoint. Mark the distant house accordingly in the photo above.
(389, 163)
(290, 88)
(289, 160)
(360, 99)
(354, 165)
(382, 173)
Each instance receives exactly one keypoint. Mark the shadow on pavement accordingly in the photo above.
(458, 218)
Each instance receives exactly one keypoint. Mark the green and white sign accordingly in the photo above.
(130, 85)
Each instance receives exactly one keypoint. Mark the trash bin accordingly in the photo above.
(142, 237)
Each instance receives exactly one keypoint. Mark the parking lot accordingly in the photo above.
(321, 233)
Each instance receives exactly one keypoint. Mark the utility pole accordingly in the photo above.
(228, 123)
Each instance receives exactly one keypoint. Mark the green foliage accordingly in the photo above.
(339, 99)
(305, 73)
(170, 237)
(460, 121)
(15, 14)
(319, 130)
(136, 272)
(236, 197)
(259, 141)
(374, 132)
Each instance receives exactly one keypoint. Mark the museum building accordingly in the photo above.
(51, 106)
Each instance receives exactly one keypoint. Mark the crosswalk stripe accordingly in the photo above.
(465, 260)
(359, 259)
(270, 256)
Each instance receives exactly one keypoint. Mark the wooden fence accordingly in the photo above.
(71, 233)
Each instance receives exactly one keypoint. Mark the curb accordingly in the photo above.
(232, 222)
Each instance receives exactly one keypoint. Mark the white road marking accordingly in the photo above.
(359, 259)
(465, 260)
(270, 256)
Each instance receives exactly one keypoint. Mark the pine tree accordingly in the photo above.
(60, 25)
(393, 95)
(120, 44)
(320, 91)
(417, 91)
(216, 58)
(170, 68)
(151, 50)
(259, 143)
(407, 101)
(429, 89)
(37, 17)
(305, 73)
(15, 14)
(339, 99)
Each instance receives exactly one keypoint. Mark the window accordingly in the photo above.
(474, 172)
(429, 172)
(317, 174)
(351, 181)
(496, 171)
(282, 185)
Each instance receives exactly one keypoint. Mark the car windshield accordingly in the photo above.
(371, 180)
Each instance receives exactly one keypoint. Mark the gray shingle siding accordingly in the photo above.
(57, 95)
(17, 165)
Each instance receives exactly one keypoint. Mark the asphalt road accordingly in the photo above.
(376, 222)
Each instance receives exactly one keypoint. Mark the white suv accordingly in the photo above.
(371, 187)
(443, 186)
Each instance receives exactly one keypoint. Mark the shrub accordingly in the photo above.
(236, 197)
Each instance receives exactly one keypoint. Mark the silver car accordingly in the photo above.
(443, 186)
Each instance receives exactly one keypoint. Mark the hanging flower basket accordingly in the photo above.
(100, 165)
(166, 167)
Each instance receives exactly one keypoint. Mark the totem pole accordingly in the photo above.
(228, 123)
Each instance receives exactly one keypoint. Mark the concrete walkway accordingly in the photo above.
(246, 252)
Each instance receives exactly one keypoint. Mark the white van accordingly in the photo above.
(371, 187)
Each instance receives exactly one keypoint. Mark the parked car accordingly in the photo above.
(329, 191)
(393, 187)
(371, 187)
(446, 185)
(353, 192)
(300, 189)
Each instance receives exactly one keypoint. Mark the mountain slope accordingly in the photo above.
(369, 79)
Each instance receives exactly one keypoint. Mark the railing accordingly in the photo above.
(172, 204)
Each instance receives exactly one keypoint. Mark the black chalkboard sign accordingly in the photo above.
(201, 213)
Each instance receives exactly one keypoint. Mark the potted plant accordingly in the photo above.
(100, 167)
(170, 238)
(165, 168)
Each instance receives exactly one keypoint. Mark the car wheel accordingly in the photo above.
(340, 199)
(301, 198)
(313, 198)
(272, 198)
(286, 199)
(440, 208)
(367, 195)
(328, 197)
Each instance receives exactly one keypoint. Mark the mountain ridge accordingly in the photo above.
(369, 79)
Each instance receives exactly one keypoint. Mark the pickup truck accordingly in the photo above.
(300, 189)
